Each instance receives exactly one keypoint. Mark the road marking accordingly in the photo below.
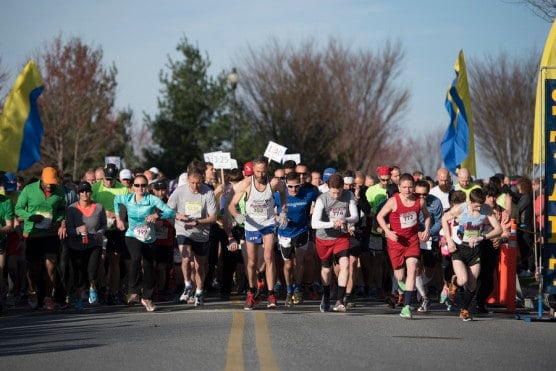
(234, 358)
(267, 360)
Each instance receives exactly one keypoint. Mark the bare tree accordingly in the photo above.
(334, 106)
(503, 99)
(546, 9)
(3, 83)
(425, 152)
(77, 106)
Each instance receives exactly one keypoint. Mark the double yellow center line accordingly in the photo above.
(234, 358)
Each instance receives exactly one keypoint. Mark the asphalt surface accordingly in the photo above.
(221, 335)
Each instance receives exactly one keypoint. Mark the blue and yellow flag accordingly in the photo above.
(20, 124)
(547, 72)
(458, 144)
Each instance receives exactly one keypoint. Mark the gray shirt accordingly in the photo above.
(195, 206)
(95, 223)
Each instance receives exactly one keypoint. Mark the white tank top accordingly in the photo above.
(259, 208)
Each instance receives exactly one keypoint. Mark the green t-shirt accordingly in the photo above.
(6, 213)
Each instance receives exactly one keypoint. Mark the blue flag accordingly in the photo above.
(458, 147)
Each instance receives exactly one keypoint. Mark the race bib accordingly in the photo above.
(142, 233)
(337, 214)
(284, 241)
(46, 222)
(193, 209)
(408, 220)
(427, 245)
(258, 208)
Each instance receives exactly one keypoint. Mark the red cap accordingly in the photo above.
(383, 170)
(248, 168)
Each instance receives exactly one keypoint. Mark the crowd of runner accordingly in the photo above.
(118, 236)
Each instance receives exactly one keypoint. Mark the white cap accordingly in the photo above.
(154, 170)
(126, 174)
(182, 179)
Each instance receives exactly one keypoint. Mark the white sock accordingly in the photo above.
(420, 285)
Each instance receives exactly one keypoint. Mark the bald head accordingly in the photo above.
(444, 180)
(464, 178)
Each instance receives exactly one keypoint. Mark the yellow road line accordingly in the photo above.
(267, 360)
(234, 358)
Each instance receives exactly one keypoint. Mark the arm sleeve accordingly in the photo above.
(316, 223)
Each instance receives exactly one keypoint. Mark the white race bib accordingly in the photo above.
(142, 233)
(408, 220)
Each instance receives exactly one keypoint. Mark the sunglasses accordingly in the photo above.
(384, 180)
(421, 194)
(143, 185)
(294, 185)
(85, 190)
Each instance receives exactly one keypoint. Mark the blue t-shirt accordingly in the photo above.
(298, 211)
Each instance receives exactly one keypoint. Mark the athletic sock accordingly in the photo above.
(420, 285)
(408, 296)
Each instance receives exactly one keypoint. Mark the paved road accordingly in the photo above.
(222, 336)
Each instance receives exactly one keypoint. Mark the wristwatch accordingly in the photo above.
(196, 221)
(484, 236)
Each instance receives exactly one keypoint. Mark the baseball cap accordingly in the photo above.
(84, 187)
(10, 184)
(248, 168)
(160, 184)
(154, 170)
(49, 175)
(327, 173)
(126, 174)
(110, 171)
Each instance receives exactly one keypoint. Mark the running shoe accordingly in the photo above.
(289, 300)
(148, 304)
(271, 301)
(93, 297)
(184, 297)
(298, 297)
(199, 301)
(132, 299)
(444, 295)
(406, 312)
(324, 305)
(250, 301)
(453, 287)
(48, 304)
(465, 315)
(424, 306)
(33, 300)
(79, 305)
(339, 307)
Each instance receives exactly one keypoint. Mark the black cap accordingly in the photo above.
(160, 184)
(84, 187)
(110, 171)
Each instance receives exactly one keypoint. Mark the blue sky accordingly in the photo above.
(139, 35)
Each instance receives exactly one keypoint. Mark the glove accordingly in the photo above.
(239, 218)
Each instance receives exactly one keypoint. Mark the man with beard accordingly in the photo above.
(259, 219)
(442, 190)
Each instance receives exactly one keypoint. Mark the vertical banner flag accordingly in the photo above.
(20, 124)
(547, 71)
(458, 144)
(549, 247)
(544, 155)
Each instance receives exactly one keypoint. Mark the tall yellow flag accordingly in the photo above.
(547, 70)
